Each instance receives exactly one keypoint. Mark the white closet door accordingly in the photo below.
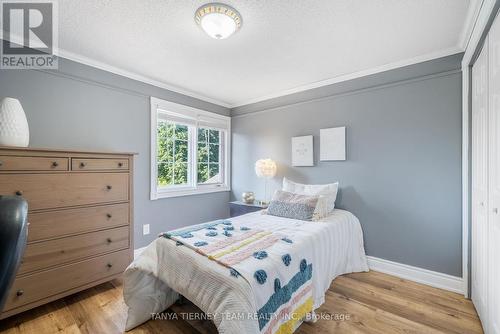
(479, 203)
(494, 177)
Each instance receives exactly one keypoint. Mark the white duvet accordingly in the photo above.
(164, 270)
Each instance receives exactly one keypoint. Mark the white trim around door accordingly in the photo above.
(481, 23)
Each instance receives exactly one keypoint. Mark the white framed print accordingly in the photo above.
(332, 144)
(302, 151)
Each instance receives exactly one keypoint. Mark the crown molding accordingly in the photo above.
(132, 75)
(138, 77)
(122, 72)
(347, 93)
(470, 22)
(354, 75)
(485, 17)
(160, 84)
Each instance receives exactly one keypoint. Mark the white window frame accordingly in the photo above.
(193, 117)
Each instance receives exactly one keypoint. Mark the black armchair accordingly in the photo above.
(13, 236)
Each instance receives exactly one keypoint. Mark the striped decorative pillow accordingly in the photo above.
(294, 206)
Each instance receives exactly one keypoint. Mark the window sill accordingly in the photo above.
(187, 192)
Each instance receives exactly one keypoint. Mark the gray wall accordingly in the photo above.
(85, 108)
(402, 177)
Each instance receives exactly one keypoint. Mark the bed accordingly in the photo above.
(225, 284)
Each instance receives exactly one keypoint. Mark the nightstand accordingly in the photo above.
(238, 208)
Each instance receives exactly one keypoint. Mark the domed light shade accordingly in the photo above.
(265, 168)
(219, 21)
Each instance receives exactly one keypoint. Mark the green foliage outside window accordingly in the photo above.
(173, 154)
(208, 156)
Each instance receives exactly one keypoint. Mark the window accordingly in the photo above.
(208, 156)
(189, 150)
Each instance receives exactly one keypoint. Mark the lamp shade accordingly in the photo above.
(14, 129)
(265, 168)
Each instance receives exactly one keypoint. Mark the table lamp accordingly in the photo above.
(265, 168)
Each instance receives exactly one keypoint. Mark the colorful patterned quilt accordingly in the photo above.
(252, 274)
(278, 267)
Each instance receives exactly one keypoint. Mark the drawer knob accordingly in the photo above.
(19, 193)
(120, 164)
(109, 240)
(109, 215)
(82, 164)
(1, 163)
(55, 164)
(109, 187)
(109, 265)
(19, 293)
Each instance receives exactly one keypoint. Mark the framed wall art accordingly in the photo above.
(302, 151)
(332, 144)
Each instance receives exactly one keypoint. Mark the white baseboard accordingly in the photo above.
(138, 252)
(415, 274)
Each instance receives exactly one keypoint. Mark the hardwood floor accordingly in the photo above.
(356, 303)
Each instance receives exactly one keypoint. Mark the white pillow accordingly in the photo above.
(327, 195)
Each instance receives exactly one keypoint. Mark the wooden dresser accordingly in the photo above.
(80, 220)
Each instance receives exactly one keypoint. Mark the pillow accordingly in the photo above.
(327, 195)
(294, 206)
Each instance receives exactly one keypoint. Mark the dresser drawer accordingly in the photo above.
(99, 164)
(13, 163)
(59, 251)
(34, 287)
(54, 224)
(47, 191)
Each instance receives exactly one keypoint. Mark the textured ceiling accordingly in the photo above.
(282, 46)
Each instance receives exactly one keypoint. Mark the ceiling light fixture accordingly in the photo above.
(218, 20)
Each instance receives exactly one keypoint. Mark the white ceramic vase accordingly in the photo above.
(14, 129)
